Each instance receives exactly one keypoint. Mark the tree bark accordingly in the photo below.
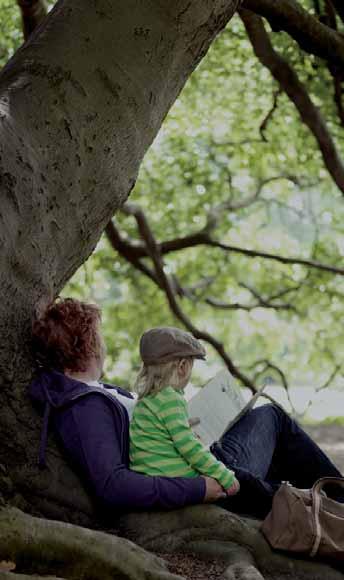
(80, 103)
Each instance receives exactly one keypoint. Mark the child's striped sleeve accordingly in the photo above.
(200, 459)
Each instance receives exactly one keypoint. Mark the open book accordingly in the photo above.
(218, 405)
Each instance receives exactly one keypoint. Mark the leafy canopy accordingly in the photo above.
(228, 135)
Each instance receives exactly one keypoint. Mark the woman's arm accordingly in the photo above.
(91, 433)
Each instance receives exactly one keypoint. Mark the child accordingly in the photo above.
(161, 440)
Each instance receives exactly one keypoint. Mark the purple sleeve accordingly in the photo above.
(91, 433)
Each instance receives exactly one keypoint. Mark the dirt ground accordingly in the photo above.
(331, 440)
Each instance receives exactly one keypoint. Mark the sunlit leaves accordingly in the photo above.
(209, 151)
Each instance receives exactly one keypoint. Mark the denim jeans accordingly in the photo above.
(264, 448)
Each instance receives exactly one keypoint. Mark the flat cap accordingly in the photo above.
(166, 343)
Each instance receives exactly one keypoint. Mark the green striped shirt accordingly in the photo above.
(162, 442)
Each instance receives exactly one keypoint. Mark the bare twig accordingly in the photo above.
(331, 377)
(277, 258)
(268, 365)
(268, 117)
(230, 205)
(322, 387)
(220, 305)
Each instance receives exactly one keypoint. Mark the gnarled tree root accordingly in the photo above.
(40, 547)
(14, 576)
(213, 532)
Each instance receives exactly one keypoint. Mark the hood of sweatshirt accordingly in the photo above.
(52, 389)
(56, 389)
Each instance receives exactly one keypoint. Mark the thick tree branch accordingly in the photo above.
(296, 91)
(128, 251)
(203, 238)
(338, 96)
(166, 284)
(32, 13)
(330, 15)
(339, 6)
(312, 36)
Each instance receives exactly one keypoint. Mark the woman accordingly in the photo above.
(92, 420)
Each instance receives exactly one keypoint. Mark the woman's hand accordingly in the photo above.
(234, 488)
(213, 490)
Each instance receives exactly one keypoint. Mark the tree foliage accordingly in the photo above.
(234, 138)
(235, 149)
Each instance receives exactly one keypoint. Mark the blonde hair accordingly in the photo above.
(154, 378)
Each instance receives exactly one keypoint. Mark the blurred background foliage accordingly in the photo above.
(229, 133)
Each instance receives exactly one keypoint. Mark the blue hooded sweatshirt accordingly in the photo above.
(93, 427)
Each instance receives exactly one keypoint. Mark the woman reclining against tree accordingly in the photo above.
(92, 421)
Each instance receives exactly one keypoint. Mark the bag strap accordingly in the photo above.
(316, 505)
(317, 487)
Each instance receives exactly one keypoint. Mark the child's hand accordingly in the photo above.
(234, 488)
(193, 421)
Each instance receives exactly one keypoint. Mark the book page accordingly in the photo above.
(216, 404)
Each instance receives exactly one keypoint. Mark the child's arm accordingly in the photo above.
(175, 417)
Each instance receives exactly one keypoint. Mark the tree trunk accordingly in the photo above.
(80, 103)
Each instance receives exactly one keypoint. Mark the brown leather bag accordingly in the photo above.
(306, 521)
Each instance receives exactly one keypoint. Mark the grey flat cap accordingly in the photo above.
(166, 343)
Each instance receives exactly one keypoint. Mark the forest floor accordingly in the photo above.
(330, 437)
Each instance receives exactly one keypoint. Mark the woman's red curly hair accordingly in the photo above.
(66, 336)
